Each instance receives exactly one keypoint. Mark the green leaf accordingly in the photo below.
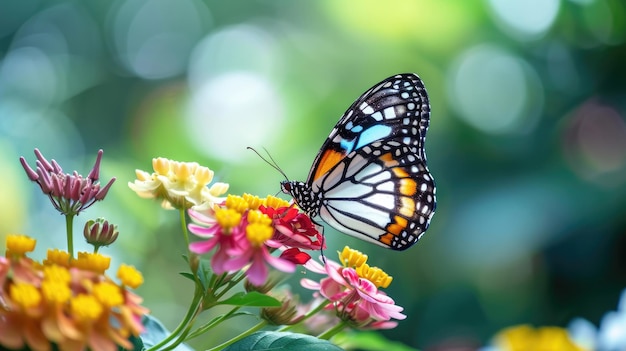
(369, 341)
(188, 276)
(252, 298)
(282, 341)
(155, 332)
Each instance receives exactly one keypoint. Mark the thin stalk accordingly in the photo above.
(306, 316)
(69, 228)
(203, 329)
(332, 331)
(183, 222)
(260, 325)
(193, 310)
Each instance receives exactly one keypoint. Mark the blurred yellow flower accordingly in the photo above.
(179, 185)
(18, 245)
(525, 337)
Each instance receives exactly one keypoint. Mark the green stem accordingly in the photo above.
(332, 331)
(203, 329)
(183, 222)
(193, 310)
(69, 227)
(239, 337)
(306, 316)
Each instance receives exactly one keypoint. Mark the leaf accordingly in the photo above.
(188, 276)
(282, 341)
(155, 332)
(252, 298)
(369, 341)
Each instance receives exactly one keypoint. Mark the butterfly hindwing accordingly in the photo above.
(370, 178)
(383, 193)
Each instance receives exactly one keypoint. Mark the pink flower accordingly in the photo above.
(223, 234)
(353, 296)
(245, 237)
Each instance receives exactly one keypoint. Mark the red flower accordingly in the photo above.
(294, 228)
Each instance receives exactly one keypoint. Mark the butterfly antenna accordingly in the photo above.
(269, 160)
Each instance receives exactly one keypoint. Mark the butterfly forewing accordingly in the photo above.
(396, 108)
(370, 178)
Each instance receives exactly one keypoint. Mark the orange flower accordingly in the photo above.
(76, 307)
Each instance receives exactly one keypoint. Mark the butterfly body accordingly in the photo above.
(370, 178)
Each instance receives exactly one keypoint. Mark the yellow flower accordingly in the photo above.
(130, 276)
(375, 275)
(56, 292)
(179, 185)
(236, 203)
(18, 245)
(253, 201)
(92, 262)
(525, 337)
(59, 257)
(275, 202)
(258, 233)
(25, 295)
(352, 258)
(108, 294)
(85, 308)
(76, 308)
(227, 218)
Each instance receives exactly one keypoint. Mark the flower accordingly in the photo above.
(350, 292)
(179, 185)
(245, 236)
(287, 313)
(100, 232)
(525, 337)
(609, 336)
(69, 193)
(293, 228)
(75, 307)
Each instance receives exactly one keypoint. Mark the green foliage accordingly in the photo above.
(253, 299)
(281, 341)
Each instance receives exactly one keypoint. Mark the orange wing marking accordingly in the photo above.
(329, 159)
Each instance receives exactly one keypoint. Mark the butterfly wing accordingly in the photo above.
(370, 178)
(382, 193)
(396, 108)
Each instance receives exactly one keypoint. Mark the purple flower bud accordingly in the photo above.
(100, 232)
(69, 193)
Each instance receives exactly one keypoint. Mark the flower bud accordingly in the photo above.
(286, 314)
(100, 232)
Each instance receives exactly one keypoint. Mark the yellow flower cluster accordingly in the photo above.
(259, 227)
(70, 303)
(525, 337)
(357, 260)
(179, 185)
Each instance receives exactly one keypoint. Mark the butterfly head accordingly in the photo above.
(306, 199)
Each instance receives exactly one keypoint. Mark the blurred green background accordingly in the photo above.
(527, 140)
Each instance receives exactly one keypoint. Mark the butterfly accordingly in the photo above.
(370, 178)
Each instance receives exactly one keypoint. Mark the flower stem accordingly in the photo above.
(69, 228)
(259, 325)
(193, 310)
(308, 315)
(183, 222)
(332, 331)
(203, 329)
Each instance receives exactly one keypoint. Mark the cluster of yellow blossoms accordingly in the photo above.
(69, 302)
